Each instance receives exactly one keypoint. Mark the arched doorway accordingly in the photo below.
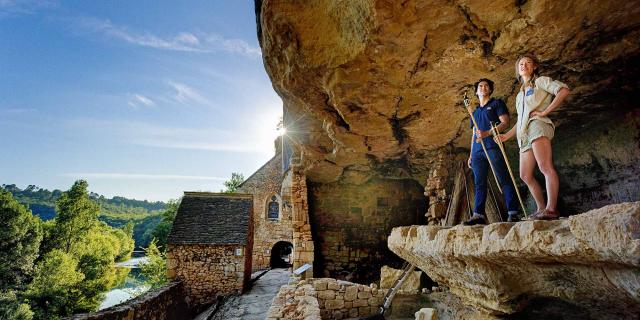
(281, 255)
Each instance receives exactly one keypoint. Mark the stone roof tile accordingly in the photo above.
(212, 218)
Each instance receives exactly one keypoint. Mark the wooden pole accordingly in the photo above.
(466, 190)
(496, 133)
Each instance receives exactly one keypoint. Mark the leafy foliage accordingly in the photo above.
(233, 183)
(155, 270)
(161, 232)
(35, 195)
(20, 237)
(116, 212)
(54, 286)
(11, 308)
(142, 226)
(77, 258)
(77, 214)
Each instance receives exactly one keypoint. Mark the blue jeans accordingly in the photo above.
(480, 167)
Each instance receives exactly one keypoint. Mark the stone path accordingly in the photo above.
(254, 304)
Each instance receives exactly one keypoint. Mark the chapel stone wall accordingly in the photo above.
(265, 184)
(207, 270)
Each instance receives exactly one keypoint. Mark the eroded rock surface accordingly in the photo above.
(380, 81)
(591, 260)
(373, 87)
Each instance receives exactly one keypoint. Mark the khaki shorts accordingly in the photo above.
(536, 130)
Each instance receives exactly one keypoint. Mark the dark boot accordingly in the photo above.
(476, 219)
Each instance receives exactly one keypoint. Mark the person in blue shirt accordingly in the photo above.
(489, 111)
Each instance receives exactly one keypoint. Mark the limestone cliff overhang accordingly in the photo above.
(591, 260)
(212, 219)
(374, 87)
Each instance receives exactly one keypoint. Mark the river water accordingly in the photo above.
(130, 287)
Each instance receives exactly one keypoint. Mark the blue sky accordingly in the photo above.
(143, 99)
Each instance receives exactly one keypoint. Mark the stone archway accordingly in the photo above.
(281, 255)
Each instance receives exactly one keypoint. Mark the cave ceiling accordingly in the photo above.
(374, 88)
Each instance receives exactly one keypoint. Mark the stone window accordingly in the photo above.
(273, 209)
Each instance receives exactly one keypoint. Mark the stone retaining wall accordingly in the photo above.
(166, 303)
(207, 270)
(325, 298)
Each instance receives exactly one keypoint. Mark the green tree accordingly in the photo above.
(233, 183)
(95, 256)
(11, 308)
(20, 237)
(86, 250)
(128, 229)
(77, 214)
(53, 289)
(125, 242)
(161, 232)
(155, 269)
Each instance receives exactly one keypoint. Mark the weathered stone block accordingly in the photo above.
(320, 285)
(334, 304)
(326, 294)
(364, 311)
(333, 286)
(375, 302)
(360, 303)
(351, 293)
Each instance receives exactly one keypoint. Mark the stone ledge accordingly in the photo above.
(591, 259)
(166, 302)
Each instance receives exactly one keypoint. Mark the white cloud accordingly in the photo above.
(12, 8)
(122, 33)
(137, 100)
(184, 41)
(137, 176)
(234, 46)
(186, 94)
(187, 37)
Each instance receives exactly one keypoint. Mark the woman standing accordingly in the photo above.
(535, 130)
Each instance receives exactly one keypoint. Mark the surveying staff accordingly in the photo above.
(489, 111)
(535, 130)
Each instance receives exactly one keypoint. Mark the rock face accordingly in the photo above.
(373, 87)
(591, 260)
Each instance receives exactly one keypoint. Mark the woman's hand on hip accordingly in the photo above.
(536, 113)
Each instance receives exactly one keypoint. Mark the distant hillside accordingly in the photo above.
(116, 212)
